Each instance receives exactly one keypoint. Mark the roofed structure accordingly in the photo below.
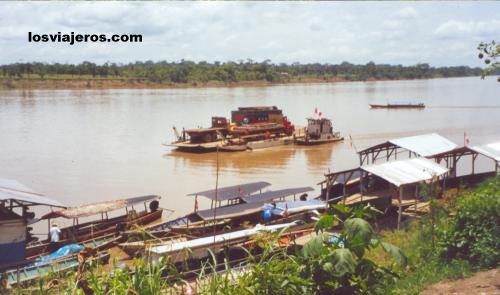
(408, 171)
(425, 145)
(13, 190)
(491, 150)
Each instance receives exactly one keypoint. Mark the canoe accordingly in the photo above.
(199, 248)
(398, 106)
(138, 247)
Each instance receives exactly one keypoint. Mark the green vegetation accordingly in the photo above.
(203, 72)
(489, 53)
(356, 260)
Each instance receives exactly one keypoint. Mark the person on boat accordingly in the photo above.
(55, 234)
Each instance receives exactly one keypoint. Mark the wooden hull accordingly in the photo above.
(308, 141)
(31, 273)
(397, 106)
(46, 247)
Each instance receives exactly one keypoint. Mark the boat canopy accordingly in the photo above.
(97, 208)
(230, 211)
(406, 171)
(16, 191)
(425, 145)
(491, 150)
(294, 206)
(210, 240)
(233, 192)
(271, 195)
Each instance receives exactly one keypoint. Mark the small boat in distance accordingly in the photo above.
(409, 105)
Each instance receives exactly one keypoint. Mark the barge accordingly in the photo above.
(250, 128)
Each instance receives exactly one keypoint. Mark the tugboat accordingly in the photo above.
(250, 128)
(319, 131)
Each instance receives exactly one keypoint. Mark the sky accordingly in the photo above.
(438, 33)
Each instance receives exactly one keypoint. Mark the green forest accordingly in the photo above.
(248, 70)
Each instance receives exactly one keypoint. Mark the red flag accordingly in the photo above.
(319, 114)
(466, 139)
(286, 211)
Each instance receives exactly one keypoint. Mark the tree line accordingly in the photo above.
(188, 71)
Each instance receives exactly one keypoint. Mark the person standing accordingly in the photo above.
(55, 233)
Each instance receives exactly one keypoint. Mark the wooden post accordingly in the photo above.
(416, 200)
(195, 202)
(400, 206)
(473, 162)
(344, 191)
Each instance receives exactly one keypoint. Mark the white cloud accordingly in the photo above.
(281, 31)
(406, 13)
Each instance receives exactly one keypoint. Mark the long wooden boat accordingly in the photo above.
(33, 272)
(398, 106)
(199, 248)
(240, 210)
(91, 230)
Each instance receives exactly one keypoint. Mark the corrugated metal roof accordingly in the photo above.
(491, 150)
(406, 171)
(97, 208)
(230, 211)
(271, 195)
(425, 145)
(14, 190)
(233, 192)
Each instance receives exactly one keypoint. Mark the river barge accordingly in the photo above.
(250, 128)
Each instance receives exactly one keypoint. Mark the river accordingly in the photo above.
(81, 146)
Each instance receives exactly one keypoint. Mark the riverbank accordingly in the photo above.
(141, 83)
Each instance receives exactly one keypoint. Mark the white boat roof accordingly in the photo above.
(491, 150)
(295, 206)
(207, 241)
(406, 171)
(14, 190)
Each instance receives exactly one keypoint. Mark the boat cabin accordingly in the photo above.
(15, 201)
(318, 127)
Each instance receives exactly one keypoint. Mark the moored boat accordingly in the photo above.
(250, 128)
(319, 131)
(417, 105)
(99, 228)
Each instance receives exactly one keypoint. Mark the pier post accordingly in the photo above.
(399, 206)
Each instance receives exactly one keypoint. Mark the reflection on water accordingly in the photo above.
(84, 146)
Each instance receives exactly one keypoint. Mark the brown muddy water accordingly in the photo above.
(93, 145)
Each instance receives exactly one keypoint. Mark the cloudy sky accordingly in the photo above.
(439, 33)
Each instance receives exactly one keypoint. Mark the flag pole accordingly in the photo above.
(216, 191)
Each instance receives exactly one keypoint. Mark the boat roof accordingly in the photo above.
(425, 145)
(233, 192)
(206, 241)
(406, 171)
(230, 211)
(271, 195)
(490, 150)
(97, 208)
(14, 190)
